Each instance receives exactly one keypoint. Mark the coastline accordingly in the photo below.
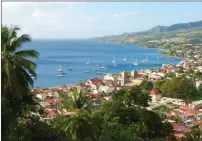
(164, 50)
(74, 84)
(175, 57)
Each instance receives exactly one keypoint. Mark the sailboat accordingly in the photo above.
(87, 71)
(136, 63)
(88, 62)
(70, 67)
(59, 74)
(60, 69)
(115, 64)
(103, 66)
(131, 59)
(124, 59)
(113, 61)
(146, 58)
(97, 69)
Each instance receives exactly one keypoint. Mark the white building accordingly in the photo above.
(155, 96)
(106, 89)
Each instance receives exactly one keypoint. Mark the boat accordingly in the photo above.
(113, 61)
(115, 64)
(99, 72)
(146, 58)
(131, 60)
(124, 59)
(63, 72)
(103, 66)
(70, 68)
(87, 71)
(136, 63)
(143, 61)
(59, 75)
(97, 69)
(88, 62)
(60, 69)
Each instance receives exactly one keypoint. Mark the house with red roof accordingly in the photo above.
(94, 84)
(155, 96)
(179, 128)
(95, 96)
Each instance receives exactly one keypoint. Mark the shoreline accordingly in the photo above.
(74, 84)
(164, 50)
(183, 58)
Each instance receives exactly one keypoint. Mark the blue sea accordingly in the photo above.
(77, 53)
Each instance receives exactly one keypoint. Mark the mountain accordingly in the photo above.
(155, 30)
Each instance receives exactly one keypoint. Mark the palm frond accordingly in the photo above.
(28, 53)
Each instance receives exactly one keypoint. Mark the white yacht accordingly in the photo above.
(87, 71)
(60, 69)
(124, 59)
(146, 58)
(88, 62)
(59, 74)
(114, 64)
(113, 61)
(97, 68)
(136, 63)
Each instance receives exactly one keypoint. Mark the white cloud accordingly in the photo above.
(136, 13)
(35, 13)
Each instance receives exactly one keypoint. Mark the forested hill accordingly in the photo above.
(155, 30)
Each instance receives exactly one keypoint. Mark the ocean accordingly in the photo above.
(76, 53)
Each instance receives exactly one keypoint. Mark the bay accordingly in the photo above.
(77, 53)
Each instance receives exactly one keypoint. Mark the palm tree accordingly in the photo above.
(16, 64)
(80, 125)
(79, 100)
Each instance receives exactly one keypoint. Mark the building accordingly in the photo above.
(137, 81)
(123, 78)
(196, 104)
(155, 96)
(94, 84)
(134, 73)
(106, 89)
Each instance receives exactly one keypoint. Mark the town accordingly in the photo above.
(183, 114)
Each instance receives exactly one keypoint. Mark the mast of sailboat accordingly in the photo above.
(113, 60)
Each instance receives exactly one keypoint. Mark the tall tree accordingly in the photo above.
(15, 71)
(16, 64)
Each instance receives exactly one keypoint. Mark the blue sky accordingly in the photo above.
(83, 20)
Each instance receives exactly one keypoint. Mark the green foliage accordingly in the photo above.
(194, 135)
(132, 96)
(179, 87)
(146, 85)
(16, 64)
(157, 84)
(200, 90)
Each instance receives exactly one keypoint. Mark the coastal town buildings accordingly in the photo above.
(100, 89)
(155, 96)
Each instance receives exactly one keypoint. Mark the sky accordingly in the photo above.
(69, 20)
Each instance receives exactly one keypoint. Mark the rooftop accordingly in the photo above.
(197, 102)
(154, 92)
